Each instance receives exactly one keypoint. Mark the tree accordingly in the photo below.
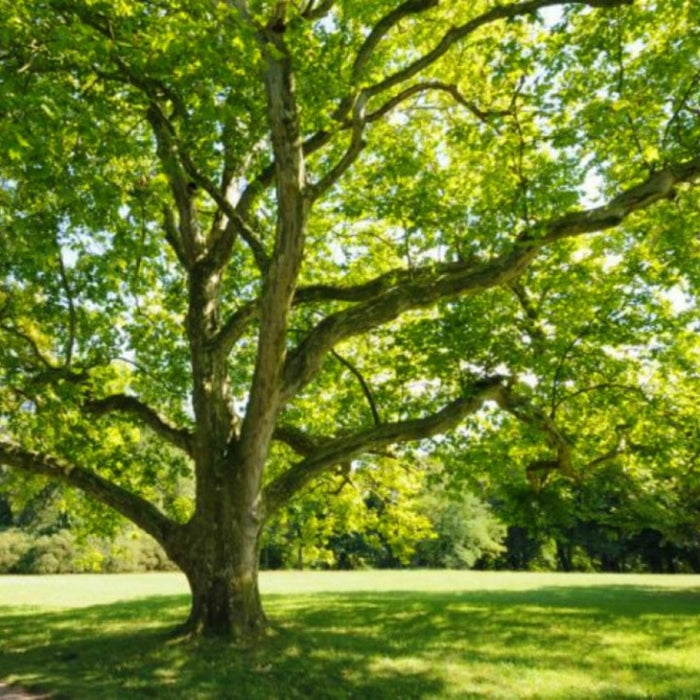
(466, 532)
(216, 216)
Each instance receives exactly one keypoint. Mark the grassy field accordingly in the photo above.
(413, 634)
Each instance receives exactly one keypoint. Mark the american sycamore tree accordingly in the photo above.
(254, 243)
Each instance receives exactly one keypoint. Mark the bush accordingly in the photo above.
(467, 533)
(62, 553)
(50, 554)
(134, 551)
(14, 544)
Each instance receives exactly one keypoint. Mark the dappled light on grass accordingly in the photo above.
(554, 642)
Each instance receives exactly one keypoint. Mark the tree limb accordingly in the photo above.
(236, 324)
(390, 295)
(34, 347)
(532, 316)
(353, 151)
(172, 236)
(598, 387)
(282, 274)
(301, 442)
(314, 10)
(363, 383)
(186, 238)
(321, 138)
(382, 27)
(530, 414)
(484, 116)
(132, 506)
(345, 448)
(123, 403)
(238, 225)
(455, 34)
(72, 318)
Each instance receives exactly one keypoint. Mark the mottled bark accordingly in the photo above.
(219, 555)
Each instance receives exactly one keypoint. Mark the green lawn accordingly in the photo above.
(362, 635)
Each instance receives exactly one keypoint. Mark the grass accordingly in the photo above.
(362, 635)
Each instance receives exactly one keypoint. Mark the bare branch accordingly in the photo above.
(357, 143)
(484, 116)
(72, 319)
(363, 383)
(342, 449)
(124, 403)
(137, 509)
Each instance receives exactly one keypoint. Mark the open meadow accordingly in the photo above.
(373, 634)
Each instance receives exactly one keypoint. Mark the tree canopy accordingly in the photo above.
(253, 242)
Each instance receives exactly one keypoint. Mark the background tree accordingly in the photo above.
(212, 212)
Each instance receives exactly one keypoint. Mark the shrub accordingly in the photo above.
(14, 544)
(49, 554)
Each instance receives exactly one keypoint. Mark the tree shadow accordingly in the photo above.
(630, 641)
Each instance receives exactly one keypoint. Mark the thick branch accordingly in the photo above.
(302, 443)
(530, 414)
(659, 185)
(185, 239)
(237, 324)
(221, 247)
(342, 449)
(124, 403)
(387, 297)
(137, 509)
(532, 316)
(282, 273)
(172, 236)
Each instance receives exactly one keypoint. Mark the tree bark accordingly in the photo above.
(219, 555)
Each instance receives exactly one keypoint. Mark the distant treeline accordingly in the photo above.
(444, 532)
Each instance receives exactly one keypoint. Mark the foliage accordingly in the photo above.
(368, 518)
(467, 533)
(13, 546)
(60, 552)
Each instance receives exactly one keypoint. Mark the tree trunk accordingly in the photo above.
(220, 556)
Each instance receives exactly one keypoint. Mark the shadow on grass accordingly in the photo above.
(612, 641)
